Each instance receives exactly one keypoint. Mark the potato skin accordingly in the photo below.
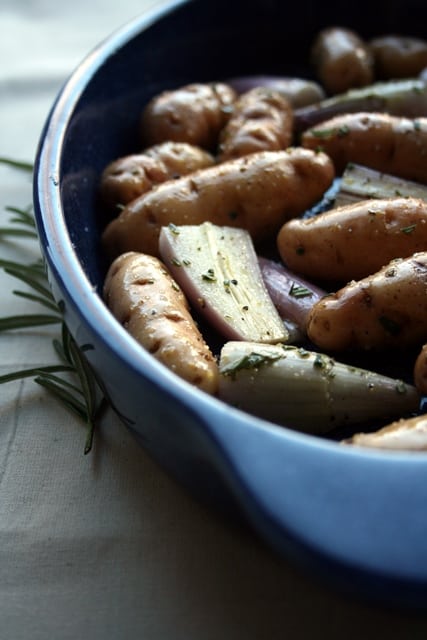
(406, 434)
(391, 144)
(128, 177)
(258, 192)
(354, 241)
(420, 371)
(387, 309)
(398, 56)
(262, 120)
(342, 60)
(195, 113)
(145, 299)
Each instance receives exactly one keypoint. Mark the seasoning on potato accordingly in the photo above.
(386, 309)
(128, 177)
(146, 300)
(258, 192)
(356, 240)
(398, 56)
(195, 113)
(392, 144)
(262, 120)
(342, 60)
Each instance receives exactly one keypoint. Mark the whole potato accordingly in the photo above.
(258, 192)
(391, 144)
(397, 56)
(145, 299)
(195, 113)
(342, 60)
(386, 309)
(126, 178)
(262, 120)
(355, 240)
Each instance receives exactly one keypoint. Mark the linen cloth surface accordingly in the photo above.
(106, 545)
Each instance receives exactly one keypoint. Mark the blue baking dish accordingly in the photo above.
(357, 519)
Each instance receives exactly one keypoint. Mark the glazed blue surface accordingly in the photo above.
(358, 520)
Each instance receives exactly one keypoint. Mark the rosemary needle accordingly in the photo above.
(79, 390)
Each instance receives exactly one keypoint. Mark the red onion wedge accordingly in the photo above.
(217, 268)
(292, 295)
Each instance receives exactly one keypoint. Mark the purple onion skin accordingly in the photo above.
(287, 291)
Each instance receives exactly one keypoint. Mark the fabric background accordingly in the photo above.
(106, 545)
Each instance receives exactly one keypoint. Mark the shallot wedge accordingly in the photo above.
(292, 295)
(406, 97)
(218, 270)
(308, 391)
(361, 183)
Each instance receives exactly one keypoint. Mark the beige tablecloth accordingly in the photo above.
(107, 546)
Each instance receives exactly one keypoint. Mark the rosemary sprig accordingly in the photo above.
(72, 381)
(17, 164)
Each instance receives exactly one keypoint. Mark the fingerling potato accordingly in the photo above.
(420, 371)
(342, 60)
(398, 56)
(126, 178)
(195, 113)
(262, 120)
(258, 192)
(146, 300)
(392, 144)
(298, 91)
(386, 309)
(355, 240)
(406, 434)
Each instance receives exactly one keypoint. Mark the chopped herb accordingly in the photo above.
(343, 131)
(209, 276)
(246, 308)
(409, 229)
(329, 133)
(319, 362)
(401, 387)
(390, 273)
(176, 262)
(322, 133)
(252, 360)
(298, 291)
(187, 262)
(173, 228)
